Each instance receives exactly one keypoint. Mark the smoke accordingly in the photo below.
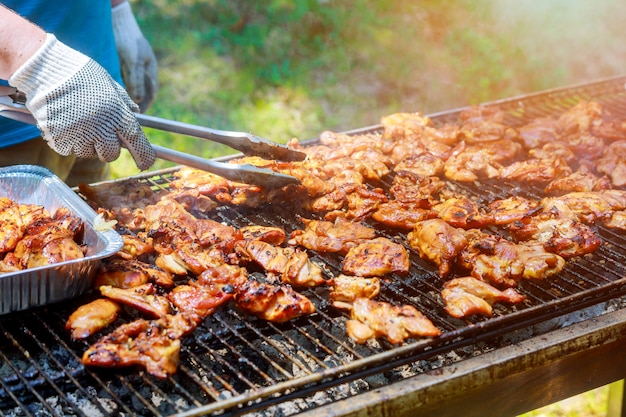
(584, 40)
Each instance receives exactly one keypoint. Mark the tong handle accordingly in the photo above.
(244, 173)
(246, 143)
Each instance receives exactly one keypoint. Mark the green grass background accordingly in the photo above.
(293, 68)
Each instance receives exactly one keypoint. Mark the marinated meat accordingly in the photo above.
(346, 289)
(275, 303)
(376, 258)
(92, 317)
(468, 296)
(142, 298)
(508, 263)
(338, 236)
(374, 319)
(439, 242)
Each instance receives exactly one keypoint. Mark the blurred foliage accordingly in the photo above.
(293, 68)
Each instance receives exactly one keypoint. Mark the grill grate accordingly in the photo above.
(234, 364)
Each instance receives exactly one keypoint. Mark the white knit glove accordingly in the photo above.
(78, 107)
(139, 65)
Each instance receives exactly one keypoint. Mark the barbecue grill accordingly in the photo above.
(556, 344)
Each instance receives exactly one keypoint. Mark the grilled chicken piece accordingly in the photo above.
(346, 289)
(375, 258)
(197, 299)
(142, 298)
(192, 200)
(11, 224)
(508, 210)
(123, 273)
(580, 118)
(617, 220)
(47, 243)
(438, 242)
(92, 317)
(273, 235)
(399, 215)
(360, 203)
(485, 130)
(554, 150)
(292, 265)
(538, 132)
(612, 162)
(152, 344)
(462, 212)
(409, 187)
(275, 303)
(401, 125)
(587, 207)
(214, 287)
(338, 236)
(425, 165)
(135, 247)
(536, 170)
(374, 319)
(467, 296)
(565, 236)
(506, 263)
(580, 181)
(468, 164)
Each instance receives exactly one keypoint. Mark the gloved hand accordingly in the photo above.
(139, 65)
(79, 108)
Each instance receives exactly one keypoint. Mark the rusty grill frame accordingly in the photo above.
(234, 365)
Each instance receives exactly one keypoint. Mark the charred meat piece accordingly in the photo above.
(273, 235)
(462, 212)
(142, 298)
(438, 242)
(197, 299)
(123, 273)
(92, 317)
(508, 210)
(539, 131)
(612, 163)
(582, 180)
(399, 215)
(46, 243)
(507, 263)
(338, 236)
(275, 303)
(151, 344)
(587, 207)
(292, 265)
(375, 319)
(536, 170)
(467, 296)
(135, 247)
(407, 187)
(376, 258)
(346, 289)
(563, 235)
(11, 225)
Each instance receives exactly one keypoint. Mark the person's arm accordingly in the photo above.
(137, 59)
(78, 107)
(19, 39)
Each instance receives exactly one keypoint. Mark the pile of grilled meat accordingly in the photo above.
(177, 267)
(30, 236)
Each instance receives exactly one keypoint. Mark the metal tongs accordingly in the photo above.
(12, 107)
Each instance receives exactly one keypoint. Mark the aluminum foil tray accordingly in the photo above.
(33, 287)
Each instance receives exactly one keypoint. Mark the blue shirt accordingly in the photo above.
(84, 25)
